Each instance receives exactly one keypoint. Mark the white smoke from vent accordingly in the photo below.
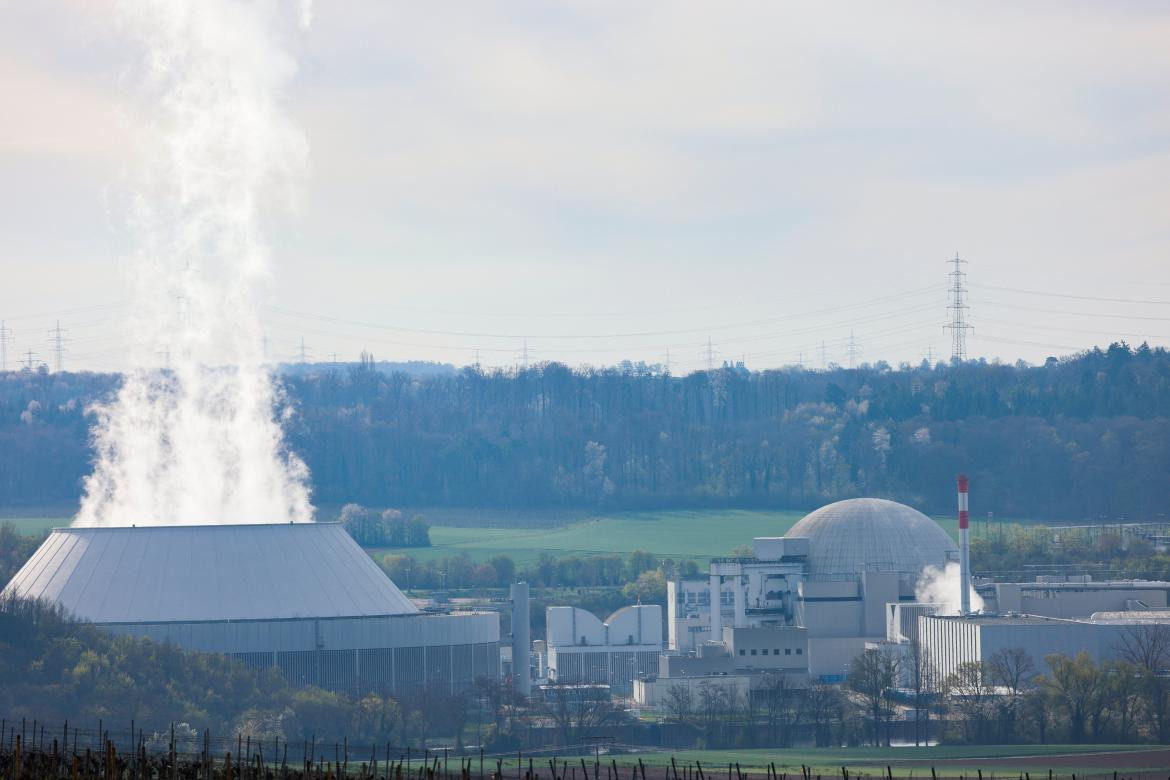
(194, 433)
(943, 586)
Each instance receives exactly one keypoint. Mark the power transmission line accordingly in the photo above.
(582, 336)
(58, 347)
(1071, 296)
(853, 348)
(958, 307)
(5, 337)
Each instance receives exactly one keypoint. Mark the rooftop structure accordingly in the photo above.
(157, 574)
(583, 649)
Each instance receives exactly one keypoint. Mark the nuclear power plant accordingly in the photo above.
(306, 600)
(302, 598)
(852, 576)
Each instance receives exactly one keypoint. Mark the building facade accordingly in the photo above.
(581, 649)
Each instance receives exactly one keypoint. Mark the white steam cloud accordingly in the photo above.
(944, 587)
(194, 434)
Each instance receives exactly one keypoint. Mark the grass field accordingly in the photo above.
(675, 534)
(39, 520)
(950, 761)
(916, 762)
(678, 534)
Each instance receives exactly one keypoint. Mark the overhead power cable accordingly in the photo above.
(1070, 296)
(633, 334)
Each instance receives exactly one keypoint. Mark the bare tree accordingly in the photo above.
(578, 709)
(679, 703)
(1147, 647)
(822, 708)
(873, 676)
(780, 708)
(969, 698)
(925, 684)
(718, 704)
(1012, 669)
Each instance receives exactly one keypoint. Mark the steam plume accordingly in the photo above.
(199, 440)
(942, 586)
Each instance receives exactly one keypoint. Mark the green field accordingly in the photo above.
(675, 534)
(917, 761)
(39, 520)
(678, 534)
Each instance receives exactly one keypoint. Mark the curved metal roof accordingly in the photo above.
(872, 534)
(208, 573)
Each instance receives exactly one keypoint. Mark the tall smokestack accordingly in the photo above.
(521, 639)
(964, 550)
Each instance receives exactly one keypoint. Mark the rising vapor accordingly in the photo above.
(194, 433)
(943, 587)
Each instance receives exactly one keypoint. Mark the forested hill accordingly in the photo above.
(1079, 438)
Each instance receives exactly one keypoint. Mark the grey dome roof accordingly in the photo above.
(872, 534)
(160, 574)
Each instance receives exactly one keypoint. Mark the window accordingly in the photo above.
(753, 651)
(800, 651)
(788, 651)
(742, 651)
(764, 651)
(776, 651)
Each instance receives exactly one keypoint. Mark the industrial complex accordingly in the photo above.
(306, 600)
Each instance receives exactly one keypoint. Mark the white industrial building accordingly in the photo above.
(302, 598)
(949, 641)
(1074, 596)
(832, 575)
(581, 649)
(654, 692)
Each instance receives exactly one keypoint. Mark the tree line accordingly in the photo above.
(1078, 437)
(387, 528)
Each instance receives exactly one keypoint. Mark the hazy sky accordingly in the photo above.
(615, 180)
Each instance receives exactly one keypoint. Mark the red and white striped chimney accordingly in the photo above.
(964, 550)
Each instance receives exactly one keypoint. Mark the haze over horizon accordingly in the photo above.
(614, 182)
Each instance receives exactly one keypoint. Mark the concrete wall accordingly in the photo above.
(830, 657)
(767, 647)
(831, 609)
(649, 693)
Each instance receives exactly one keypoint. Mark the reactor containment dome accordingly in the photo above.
(303, 598)
(872, 534)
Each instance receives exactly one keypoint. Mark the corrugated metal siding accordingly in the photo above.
(208, 573)
(408, 654)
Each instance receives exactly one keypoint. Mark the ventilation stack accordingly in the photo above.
(964, 550)
(521, 639)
